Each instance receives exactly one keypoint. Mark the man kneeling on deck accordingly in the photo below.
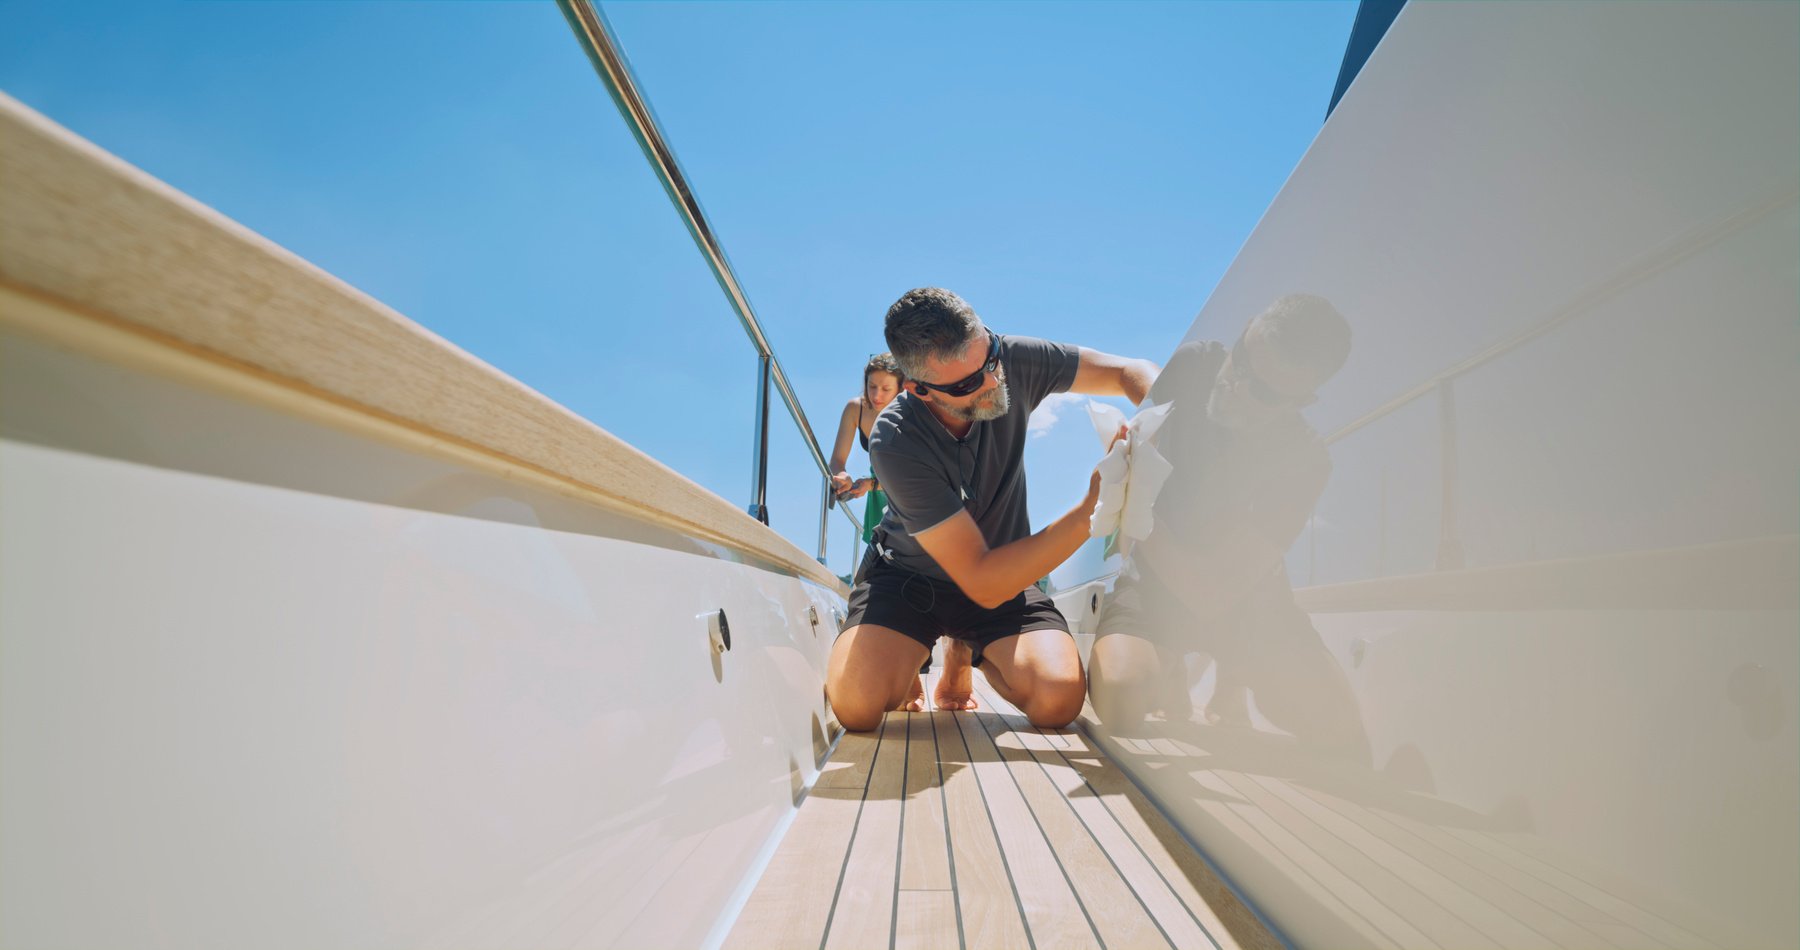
(955, 555)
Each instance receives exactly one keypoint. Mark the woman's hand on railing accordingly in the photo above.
(850, 489)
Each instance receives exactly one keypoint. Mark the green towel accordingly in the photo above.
(872, 512)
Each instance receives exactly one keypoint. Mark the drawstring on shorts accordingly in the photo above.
(907, 591)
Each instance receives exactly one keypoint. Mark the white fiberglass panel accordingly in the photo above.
(240, 714)
(1503, 649)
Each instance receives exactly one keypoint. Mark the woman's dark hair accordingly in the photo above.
(882, 363)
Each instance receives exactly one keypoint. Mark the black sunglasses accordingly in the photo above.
(1260, 391)
(973, 381)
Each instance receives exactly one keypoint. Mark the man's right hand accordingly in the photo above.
(1093, 494)
(1124, 431)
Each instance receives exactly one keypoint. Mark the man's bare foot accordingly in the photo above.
(956, 688)
(915, 697)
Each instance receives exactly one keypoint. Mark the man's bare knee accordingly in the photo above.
(1054, 702)
(1054, 709)
(871, 669)
(860, 720)
(857, 711)
(859, 708)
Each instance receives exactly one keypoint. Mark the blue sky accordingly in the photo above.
(1078, 171)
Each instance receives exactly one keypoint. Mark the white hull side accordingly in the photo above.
(1560, 590)
(242, 708)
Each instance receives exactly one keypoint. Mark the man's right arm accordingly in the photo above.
(992, 576)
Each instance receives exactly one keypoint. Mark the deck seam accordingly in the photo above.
(1079, 903)
(1134, 843)
(962, 940)
(900, 832)
(1105, 853)
(1018, 903)
(850, 845)
(1231, 886)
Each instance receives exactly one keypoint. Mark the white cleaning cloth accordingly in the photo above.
(1131, 474)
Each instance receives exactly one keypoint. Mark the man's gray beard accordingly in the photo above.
(980, 413)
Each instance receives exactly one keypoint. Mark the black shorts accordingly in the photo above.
(925, 608)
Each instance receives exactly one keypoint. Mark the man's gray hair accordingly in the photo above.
(1308, 332)
(929, 323)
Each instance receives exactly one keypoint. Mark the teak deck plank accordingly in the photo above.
(924, 848)
(1208, 898)
(1052, 910)
(849, 766)
(925, 920)
(864, 915)
(785, 909)
(977, 829)
(1177, 922)
(1118, 917)
(1237, 822)
(1118, 914)
(984, 888)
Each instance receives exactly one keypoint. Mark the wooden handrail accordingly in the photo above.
(109, 248)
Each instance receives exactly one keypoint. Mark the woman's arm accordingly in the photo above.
(841, 482)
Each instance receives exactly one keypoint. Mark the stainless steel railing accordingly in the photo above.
(609, 61)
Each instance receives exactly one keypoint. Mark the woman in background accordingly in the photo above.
(881, 383)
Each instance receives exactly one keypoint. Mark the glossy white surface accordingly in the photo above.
(241, 707)
(1547, 615)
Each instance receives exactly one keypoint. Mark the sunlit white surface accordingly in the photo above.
(240, 707)
(1536, 681)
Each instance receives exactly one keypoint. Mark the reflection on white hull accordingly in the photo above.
(1526, 674)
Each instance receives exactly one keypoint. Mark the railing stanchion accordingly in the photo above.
(824, 518)
(759, 463)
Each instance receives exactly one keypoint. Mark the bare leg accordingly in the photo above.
(1038, 671)
(872, 670)
(956, 687)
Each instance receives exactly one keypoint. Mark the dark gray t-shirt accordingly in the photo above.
(930, 476)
